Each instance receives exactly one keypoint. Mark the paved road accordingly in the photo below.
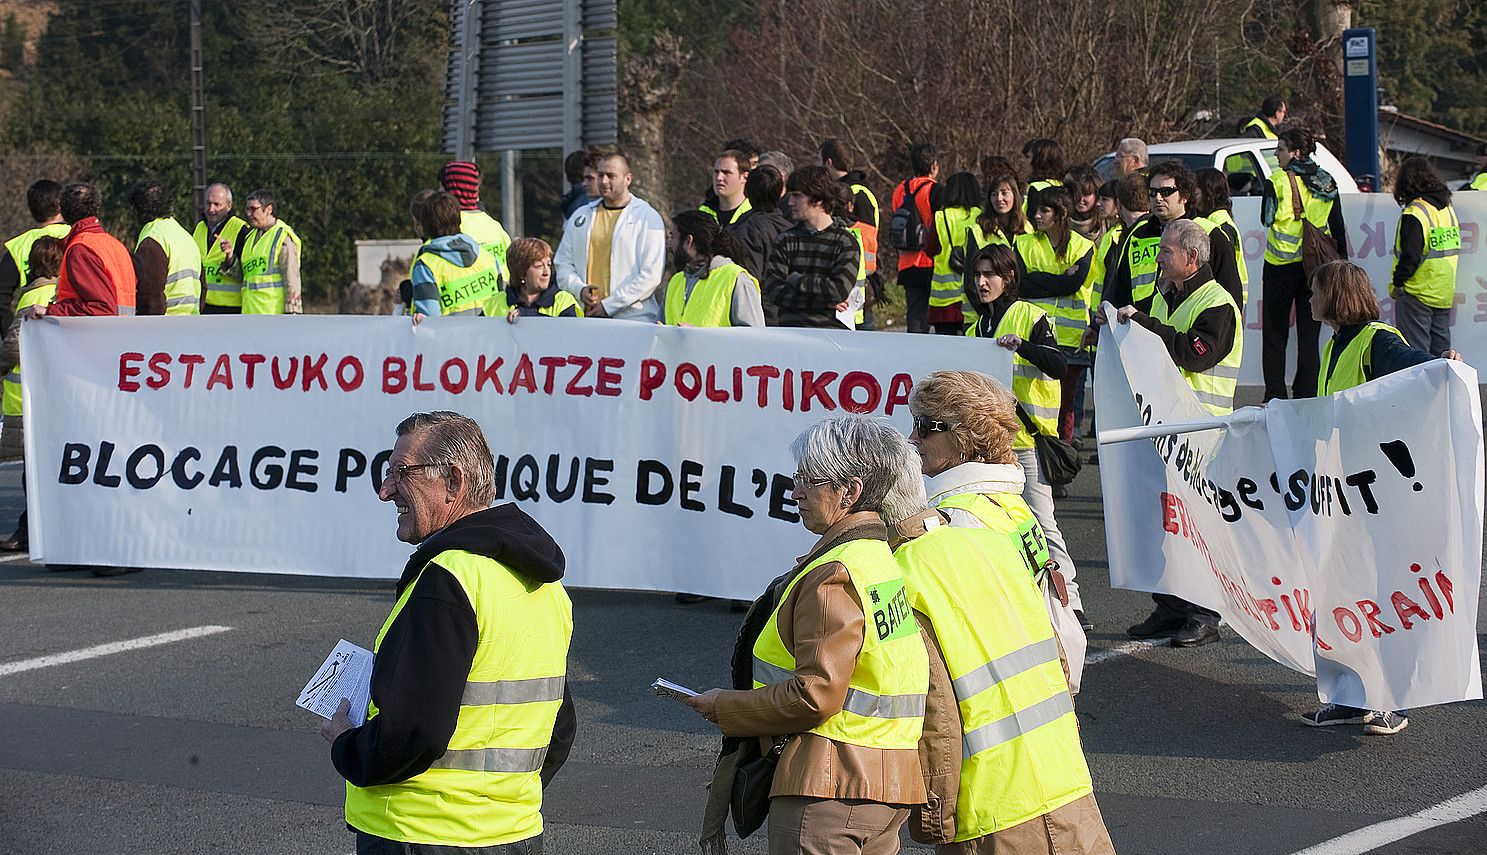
(196, 746)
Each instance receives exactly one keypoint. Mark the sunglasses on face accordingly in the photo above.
(1164, 192)
(926, 425)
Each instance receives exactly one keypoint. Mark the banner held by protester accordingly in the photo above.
(659, 456)
(1288, 522)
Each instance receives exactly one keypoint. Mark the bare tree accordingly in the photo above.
(365, 39)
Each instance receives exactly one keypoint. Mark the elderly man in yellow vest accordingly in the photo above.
(220, 234)
(269, 263)
(1201, 325)
(167, 263)
(470, 714)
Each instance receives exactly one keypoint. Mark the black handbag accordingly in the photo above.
(749, 804)
(1058, 459)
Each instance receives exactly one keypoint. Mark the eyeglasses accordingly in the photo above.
(926, 425)
(1164, 192)
(802, 482)
(399, 472)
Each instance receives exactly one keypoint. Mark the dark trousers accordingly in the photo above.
(1178, 607)
(370, 844)
(1071, 402)
(915, 281)
(21, 531)
(209, 309)
(1285, 287)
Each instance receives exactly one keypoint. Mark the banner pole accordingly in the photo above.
(1131, 434)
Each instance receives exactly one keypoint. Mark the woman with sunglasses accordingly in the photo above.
(966, 430)
(830, 668)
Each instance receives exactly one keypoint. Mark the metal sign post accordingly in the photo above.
(1361, 104)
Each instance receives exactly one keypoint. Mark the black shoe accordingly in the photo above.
(1159, 624)
(14, 543)
(105, 572)
(1084, 623)
(1195, 633)
(1060, 491)
(1094, 458)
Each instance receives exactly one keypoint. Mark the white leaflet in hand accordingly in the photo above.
(663, 686)
(346, 673)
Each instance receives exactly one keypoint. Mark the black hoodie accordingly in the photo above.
(1412, 241)
(419, 675)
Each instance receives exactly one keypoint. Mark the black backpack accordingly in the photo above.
(905, 227)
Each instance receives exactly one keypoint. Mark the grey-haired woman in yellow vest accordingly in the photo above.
(830, 670)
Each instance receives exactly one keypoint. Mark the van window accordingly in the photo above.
(1245, 177)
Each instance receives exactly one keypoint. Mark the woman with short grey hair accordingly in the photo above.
(830, 671)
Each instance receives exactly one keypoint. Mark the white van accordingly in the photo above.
(1247, 161)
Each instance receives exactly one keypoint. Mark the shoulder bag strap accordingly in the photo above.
(1295, 196)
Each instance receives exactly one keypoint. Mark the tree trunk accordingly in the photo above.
(648, 89)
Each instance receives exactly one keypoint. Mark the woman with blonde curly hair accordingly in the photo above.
(965, 426)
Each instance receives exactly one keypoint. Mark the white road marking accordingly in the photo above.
(1371, 837)
(1130, 648)
(96, 651)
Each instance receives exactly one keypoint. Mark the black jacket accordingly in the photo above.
(757, 232)
(419, 675)
(1412, 241)
(1220, 261)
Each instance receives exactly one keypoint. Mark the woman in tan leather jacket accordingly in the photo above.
(831, 795)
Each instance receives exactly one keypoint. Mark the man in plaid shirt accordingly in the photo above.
(814, 265)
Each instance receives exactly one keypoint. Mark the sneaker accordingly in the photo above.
(1084, 623)
(1328, 715)
(1385, 723)
(1157, 625)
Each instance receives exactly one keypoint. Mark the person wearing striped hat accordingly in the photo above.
(461, 178)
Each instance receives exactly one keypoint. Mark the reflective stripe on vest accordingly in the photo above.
(183, 264)
(1434, 281)
(1021, 756)
(711, 302)
(490, 234)
(1070, 313)
(1214, 387)
(1039, 394)
(221, 289)
(946, 285)
(1283, 242)
(19, 246)
(1354, 361)
(263, 274)
(485, 790)
(10, 399)
(462, 290)
(885, 699)
(1008, 515)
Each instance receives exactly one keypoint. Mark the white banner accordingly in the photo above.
(1340, 536)
(658, 457)
(1372, 219)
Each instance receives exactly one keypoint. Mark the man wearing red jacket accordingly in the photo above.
(97, 270)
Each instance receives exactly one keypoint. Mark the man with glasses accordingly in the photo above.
(470, 714)
(269, 263)
(1133, 280)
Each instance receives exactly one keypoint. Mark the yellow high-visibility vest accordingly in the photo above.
(462, 290)
(182, 265)
(1353, 362)
(1070, 313)
(1434, 281)
(1038, 393)
(222, 289)
(945, 284)
(884, 707)
(1008, 515)
(499, 304)
(490, 234)
(1020, 741)
(486, 789)
(35, 295)
(1214, 387)
(1263, 125)
(711, 301)
(1283, 243)
(19, 246)
(263, 273)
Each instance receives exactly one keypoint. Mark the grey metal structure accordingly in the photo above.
(530, 74)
